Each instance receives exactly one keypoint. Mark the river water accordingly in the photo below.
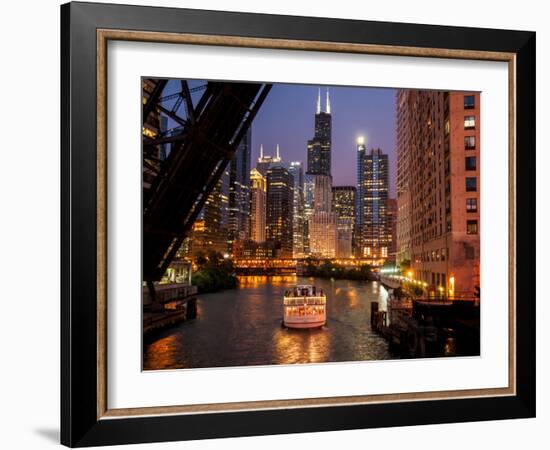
(242, 327)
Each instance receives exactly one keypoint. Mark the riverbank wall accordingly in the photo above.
(427, 328)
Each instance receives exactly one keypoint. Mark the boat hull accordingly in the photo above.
(303, 325)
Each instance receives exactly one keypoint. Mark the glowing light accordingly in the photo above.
(361, 140)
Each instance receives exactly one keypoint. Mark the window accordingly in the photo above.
(469, 142)
(471, 227)
(471, 184)
(469, 252)
(469, 122)
(469, 102)
(471, 204)
(470, 163)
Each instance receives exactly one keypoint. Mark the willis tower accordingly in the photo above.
(319, 148)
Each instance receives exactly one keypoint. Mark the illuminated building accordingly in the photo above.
(373, 233)
(309, 185)
(210, 230)
(438, 142)
(266, 161)
(322, 234)
(152, 155)
(343, 205)
(257, 206)
(321, 220)
(319, 148)
(255, 250)
(239, 191)
(404, 109)
(295, 169)
(280, 209)
(392, 224)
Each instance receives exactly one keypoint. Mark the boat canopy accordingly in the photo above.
(304, 290)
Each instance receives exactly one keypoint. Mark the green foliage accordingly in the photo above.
(200, 260)
(328, 269)
(212, 279)
(405, 265)
(214, 273)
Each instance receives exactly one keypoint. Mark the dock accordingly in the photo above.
(428, 328)
(174, 303)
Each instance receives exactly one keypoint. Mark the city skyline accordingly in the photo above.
(287, 119)
(355, 111)
(293, 235)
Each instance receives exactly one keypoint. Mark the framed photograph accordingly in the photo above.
(276, 224)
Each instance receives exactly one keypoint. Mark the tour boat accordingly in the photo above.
(304, 307)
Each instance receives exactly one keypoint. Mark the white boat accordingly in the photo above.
(304, 306)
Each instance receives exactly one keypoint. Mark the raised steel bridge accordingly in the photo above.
(209, 121)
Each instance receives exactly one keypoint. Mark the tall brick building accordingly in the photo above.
(438, 188)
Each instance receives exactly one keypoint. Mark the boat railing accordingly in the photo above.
(295, 301)
(304, 293)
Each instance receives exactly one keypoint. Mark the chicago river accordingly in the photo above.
(242, 327)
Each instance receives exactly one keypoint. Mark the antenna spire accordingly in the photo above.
(328, 103)
(261, 151)
(278, 157)
(319, 101)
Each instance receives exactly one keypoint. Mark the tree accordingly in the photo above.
(405, 265)
(214, 258)
(200, 260)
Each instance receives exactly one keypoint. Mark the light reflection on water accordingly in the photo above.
(242, 327)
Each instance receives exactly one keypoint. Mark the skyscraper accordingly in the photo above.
(360, 211)
(322, 220)
(438, 138)
(257, 206)
(392, 226)
(280, 209)
(319, 148)
(151, 129)
(266, 161)
(295, 169)
(405, 100)
(309, 190)
(322, 193)
(210, 230)
(372, 198)
(239, 191)
(322, 234)
(343, 205)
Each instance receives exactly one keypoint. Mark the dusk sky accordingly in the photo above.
(287, 118)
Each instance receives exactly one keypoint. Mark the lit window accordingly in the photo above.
(469, 102)
(469, 122)
(447, 127)
(471, 204)
(469, 142)
(471, 184)
(471, 227)
(470, 163)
